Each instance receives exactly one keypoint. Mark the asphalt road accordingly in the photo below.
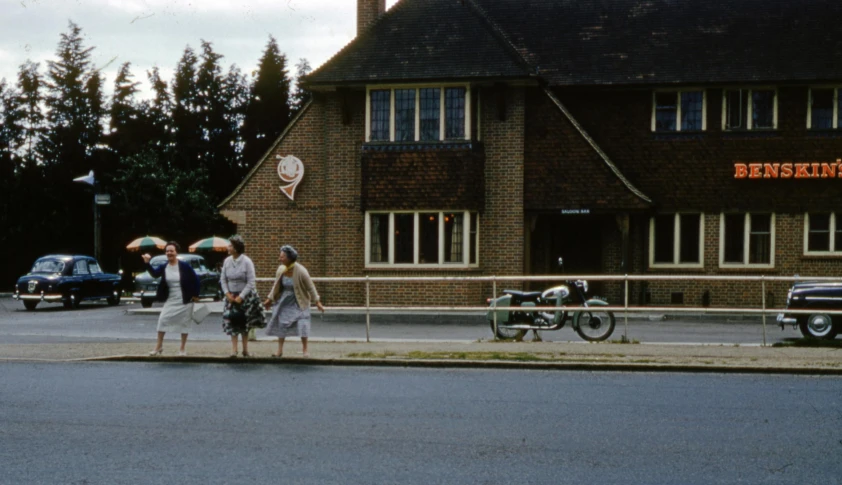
(98, 423)
(99, 322)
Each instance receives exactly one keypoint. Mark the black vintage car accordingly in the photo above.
(822, 297)
(146, 286)
(69, 280)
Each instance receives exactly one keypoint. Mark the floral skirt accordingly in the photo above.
(253, 309)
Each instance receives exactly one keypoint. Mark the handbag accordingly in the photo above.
(237, 315)
(199, 313)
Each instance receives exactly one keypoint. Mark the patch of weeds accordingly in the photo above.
(810, 342)
(624, 340)
(515, 356)
(371, 355)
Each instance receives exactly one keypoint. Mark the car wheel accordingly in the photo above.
(218, 295)
(114, 299)
(30, 304)
(145, 302)
(818, 325)
(67, 302)
(76, 300)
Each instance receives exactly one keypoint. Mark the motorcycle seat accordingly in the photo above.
(523, 294)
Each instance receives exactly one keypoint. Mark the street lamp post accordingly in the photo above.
(99, 199)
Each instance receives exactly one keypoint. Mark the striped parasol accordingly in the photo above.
(212, 244)
(146, 243)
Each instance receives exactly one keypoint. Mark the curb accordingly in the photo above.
(471, 364)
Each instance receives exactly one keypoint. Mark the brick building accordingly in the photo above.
(490, 137)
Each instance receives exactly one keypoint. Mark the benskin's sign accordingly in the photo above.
(788, 170)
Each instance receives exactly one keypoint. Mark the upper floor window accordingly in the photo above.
(747, 240)
(436, 238)
(679, 111)
(676, 240)
(749, 109)
(822, 233)
(434, 113)
(823, 109)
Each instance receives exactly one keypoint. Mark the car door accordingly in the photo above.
(82, 277)
(202, 273)
(100, 286)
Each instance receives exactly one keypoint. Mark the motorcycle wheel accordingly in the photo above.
(595, 325)
(507, 333)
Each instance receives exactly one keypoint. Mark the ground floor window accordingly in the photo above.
(822, 233)
(676, 240)
(423, 238)
(747, 240)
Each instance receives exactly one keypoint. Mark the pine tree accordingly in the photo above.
(237, 96)
(186, 119)
(125, 115)
(301, 96)
(268, 111)
(158, 126)
(31, 99)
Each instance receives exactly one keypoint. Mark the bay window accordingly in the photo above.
(429, 113)
(423, 238)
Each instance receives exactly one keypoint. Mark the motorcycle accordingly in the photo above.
(590, 322)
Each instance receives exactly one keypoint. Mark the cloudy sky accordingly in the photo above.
(151, 33)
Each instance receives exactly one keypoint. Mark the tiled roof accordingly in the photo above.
(597, 42)
(423, 40)
(435, 177)
(574, 42)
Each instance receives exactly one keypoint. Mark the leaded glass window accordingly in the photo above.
(454, 105)
(430, 100)
(691, 110)
(380, 104)
(404, 115)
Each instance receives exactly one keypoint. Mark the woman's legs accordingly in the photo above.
(234, 344)
(160, 343)
(304, 346)
(245, 337)
(280, 347)
(183, 340)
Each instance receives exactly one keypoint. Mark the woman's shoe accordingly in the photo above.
(182, 353)
(277, 356)
(306, 355)
(246, 354)
(157, 352)
(233, 356)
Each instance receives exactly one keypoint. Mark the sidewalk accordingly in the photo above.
(476, 354)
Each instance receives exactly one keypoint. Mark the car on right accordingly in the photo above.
(822, 296)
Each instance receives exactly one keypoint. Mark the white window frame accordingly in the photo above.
(417, 87)
(747, 242)
(835, 120)
(676, 251)
(833, 225)
(678, 108)
(466, 246)
(750, 120)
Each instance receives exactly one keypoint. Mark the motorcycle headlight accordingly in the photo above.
(583, 284)
(788, 297)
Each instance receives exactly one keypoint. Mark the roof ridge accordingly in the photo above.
(498, 31)
(596, 147)
(271, 149)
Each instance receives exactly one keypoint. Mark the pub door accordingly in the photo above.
(576, 238)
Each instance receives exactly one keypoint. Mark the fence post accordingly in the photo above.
(763, 302)
(367, 309)
(494, 303)
(626, 314)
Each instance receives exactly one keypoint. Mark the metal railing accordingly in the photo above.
(625, 308)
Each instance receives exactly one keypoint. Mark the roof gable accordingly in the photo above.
(423, 40)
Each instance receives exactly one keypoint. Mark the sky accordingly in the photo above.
(151, 33)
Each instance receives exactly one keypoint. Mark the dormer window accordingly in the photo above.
(423, 113)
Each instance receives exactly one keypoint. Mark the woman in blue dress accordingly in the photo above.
(291, 295)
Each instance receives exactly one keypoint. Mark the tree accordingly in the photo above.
(30, 101)
(158, 127)
(268, 111)
(125, 115)
(186, 119)
(301, 95)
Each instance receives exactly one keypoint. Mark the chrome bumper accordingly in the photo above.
(785, 320)
(39, 297)
(145, 294)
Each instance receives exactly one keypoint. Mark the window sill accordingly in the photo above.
(416, 146)
(677, 267)
(754, 133)
(820, 256)
(418, 267)
(743, 268)
(678, 135)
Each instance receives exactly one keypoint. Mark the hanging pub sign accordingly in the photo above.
(789, 170)
(291, 171)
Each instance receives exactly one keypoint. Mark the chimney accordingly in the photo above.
(367, 12)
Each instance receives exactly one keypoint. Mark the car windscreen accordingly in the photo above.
(50, 266)
(158, 260)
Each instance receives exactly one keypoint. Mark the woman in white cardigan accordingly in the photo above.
(238, 283)
(292, 294)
